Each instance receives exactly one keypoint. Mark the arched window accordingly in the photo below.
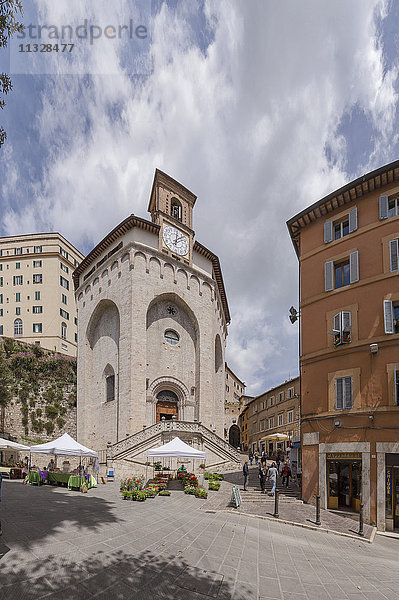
(18, 327)
(110, 388)
(63, 331)
(175, 209)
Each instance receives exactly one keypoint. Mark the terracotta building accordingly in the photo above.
(273, 412)
(347, 246)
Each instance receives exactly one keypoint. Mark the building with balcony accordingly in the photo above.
(347, 247)
(37, 302)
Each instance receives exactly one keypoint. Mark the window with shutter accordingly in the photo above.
(391, 316)
(328, 231)
(329, 275)
(383, 202)
(353, 220)
(342, 328)
(354, 266)
(396, 385)
(343, 393)
(393, 255)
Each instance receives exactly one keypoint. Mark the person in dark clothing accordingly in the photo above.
(245, 471)
(286, 473)
(262, 477)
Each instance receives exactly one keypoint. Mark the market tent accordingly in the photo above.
(8, 444)
(277, 437)
(63, 445)
(176, 448)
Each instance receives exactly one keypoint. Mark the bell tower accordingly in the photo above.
(171, 206)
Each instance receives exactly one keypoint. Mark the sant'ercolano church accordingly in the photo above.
(152, 328)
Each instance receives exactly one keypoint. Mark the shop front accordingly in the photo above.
(392, 491)
(344, 480)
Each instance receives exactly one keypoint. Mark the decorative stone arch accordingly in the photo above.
(125, 257)
(80, 296)
(206, 288)
(87, 289)
(137, 256)
(195, 283)
(174, 298)
(114, 265)
(104, 274)
(183, 276)
(170, 384)
(155, 266)
(96, 281)
(101, 309)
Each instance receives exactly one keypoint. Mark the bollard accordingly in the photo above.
(318, 522)
(275, 514)
(361, 532)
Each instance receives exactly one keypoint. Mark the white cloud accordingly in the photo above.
(243, 123)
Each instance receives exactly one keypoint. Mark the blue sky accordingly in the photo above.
(260, 108)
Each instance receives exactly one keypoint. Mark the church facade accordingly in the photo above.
(152, 328)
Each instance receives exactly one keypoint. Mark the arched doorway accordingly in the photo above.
(234, 436)
(167, 405)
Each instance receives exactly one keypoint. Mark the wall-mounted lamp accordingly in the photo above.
(337, 423)
(294, 314)
(373, 348)
(371, 417)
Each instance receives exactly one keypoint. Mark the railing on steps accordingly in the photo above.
(141, 437)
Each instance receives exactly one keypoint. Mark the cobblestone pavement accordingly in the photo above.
(59, 544)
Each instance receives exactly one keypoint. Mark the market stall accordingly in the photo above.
(176, 448)
(11, 471)
(64, 446)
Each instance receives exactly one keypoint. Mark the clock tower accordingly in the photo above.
(171, 206)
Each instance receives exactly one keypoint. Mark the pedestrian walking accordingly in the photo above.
(272, 475)
(286, 474)
(262, 477)
(245, 472)
(251, 458)
(256, 456)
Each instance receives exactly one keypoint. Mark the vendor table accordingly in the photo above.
(73, 481)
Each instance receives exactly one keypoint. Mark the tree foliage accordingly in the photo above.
(9, 24)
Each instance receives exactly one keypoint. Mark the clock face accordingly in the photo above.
(175, 240)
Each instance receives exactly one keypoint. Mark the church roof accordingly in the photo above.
(120, 230)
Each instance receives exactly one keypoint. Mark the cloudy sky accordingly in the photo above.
(259, 107)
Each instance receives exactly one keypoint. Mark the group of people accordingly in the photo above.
(268, 473)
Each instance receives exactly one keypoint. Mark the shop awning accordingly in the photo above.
(277, 437)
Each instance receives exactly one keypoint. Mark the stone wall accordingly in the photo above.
(43, 388)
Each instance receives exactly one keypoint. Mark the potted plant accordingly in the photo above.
(164, 493)
(189, 489)
(201, 493)
(141, 496)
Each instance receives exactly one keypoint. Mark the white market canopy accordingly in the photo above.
(63, 445)
(176, 448)
(4, 444)
(278, 437)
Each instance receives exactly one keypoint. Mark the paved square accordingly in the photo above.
(66, 545)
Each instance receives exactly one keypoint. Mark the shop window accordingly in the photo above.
(391, 316)
(334, 230)
(389, 207)
(338, 274)
(343, 393)
(342, 328)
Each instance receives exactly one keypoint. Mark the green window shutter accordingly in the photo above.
(339, 393)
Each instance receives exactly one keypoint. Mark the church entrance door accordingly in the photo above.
(167, 405)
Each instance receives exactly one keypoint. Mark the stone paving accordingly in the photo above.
(293, 512)
(59, 544)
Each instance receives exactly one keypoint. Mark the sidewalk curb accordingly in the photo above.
(305, 526)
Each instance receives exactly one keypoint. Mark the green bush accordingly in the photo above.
(60, 423)
(190, 489)
(49, 427)
(39, 412)
(164, 493)
(51, 412)
(49, 396)
(24, 421)
(141, 496)
(32, 402)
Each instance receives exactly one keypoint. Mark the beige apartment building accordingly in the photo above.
(273, 412)
(235, 389)
(37, 303)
